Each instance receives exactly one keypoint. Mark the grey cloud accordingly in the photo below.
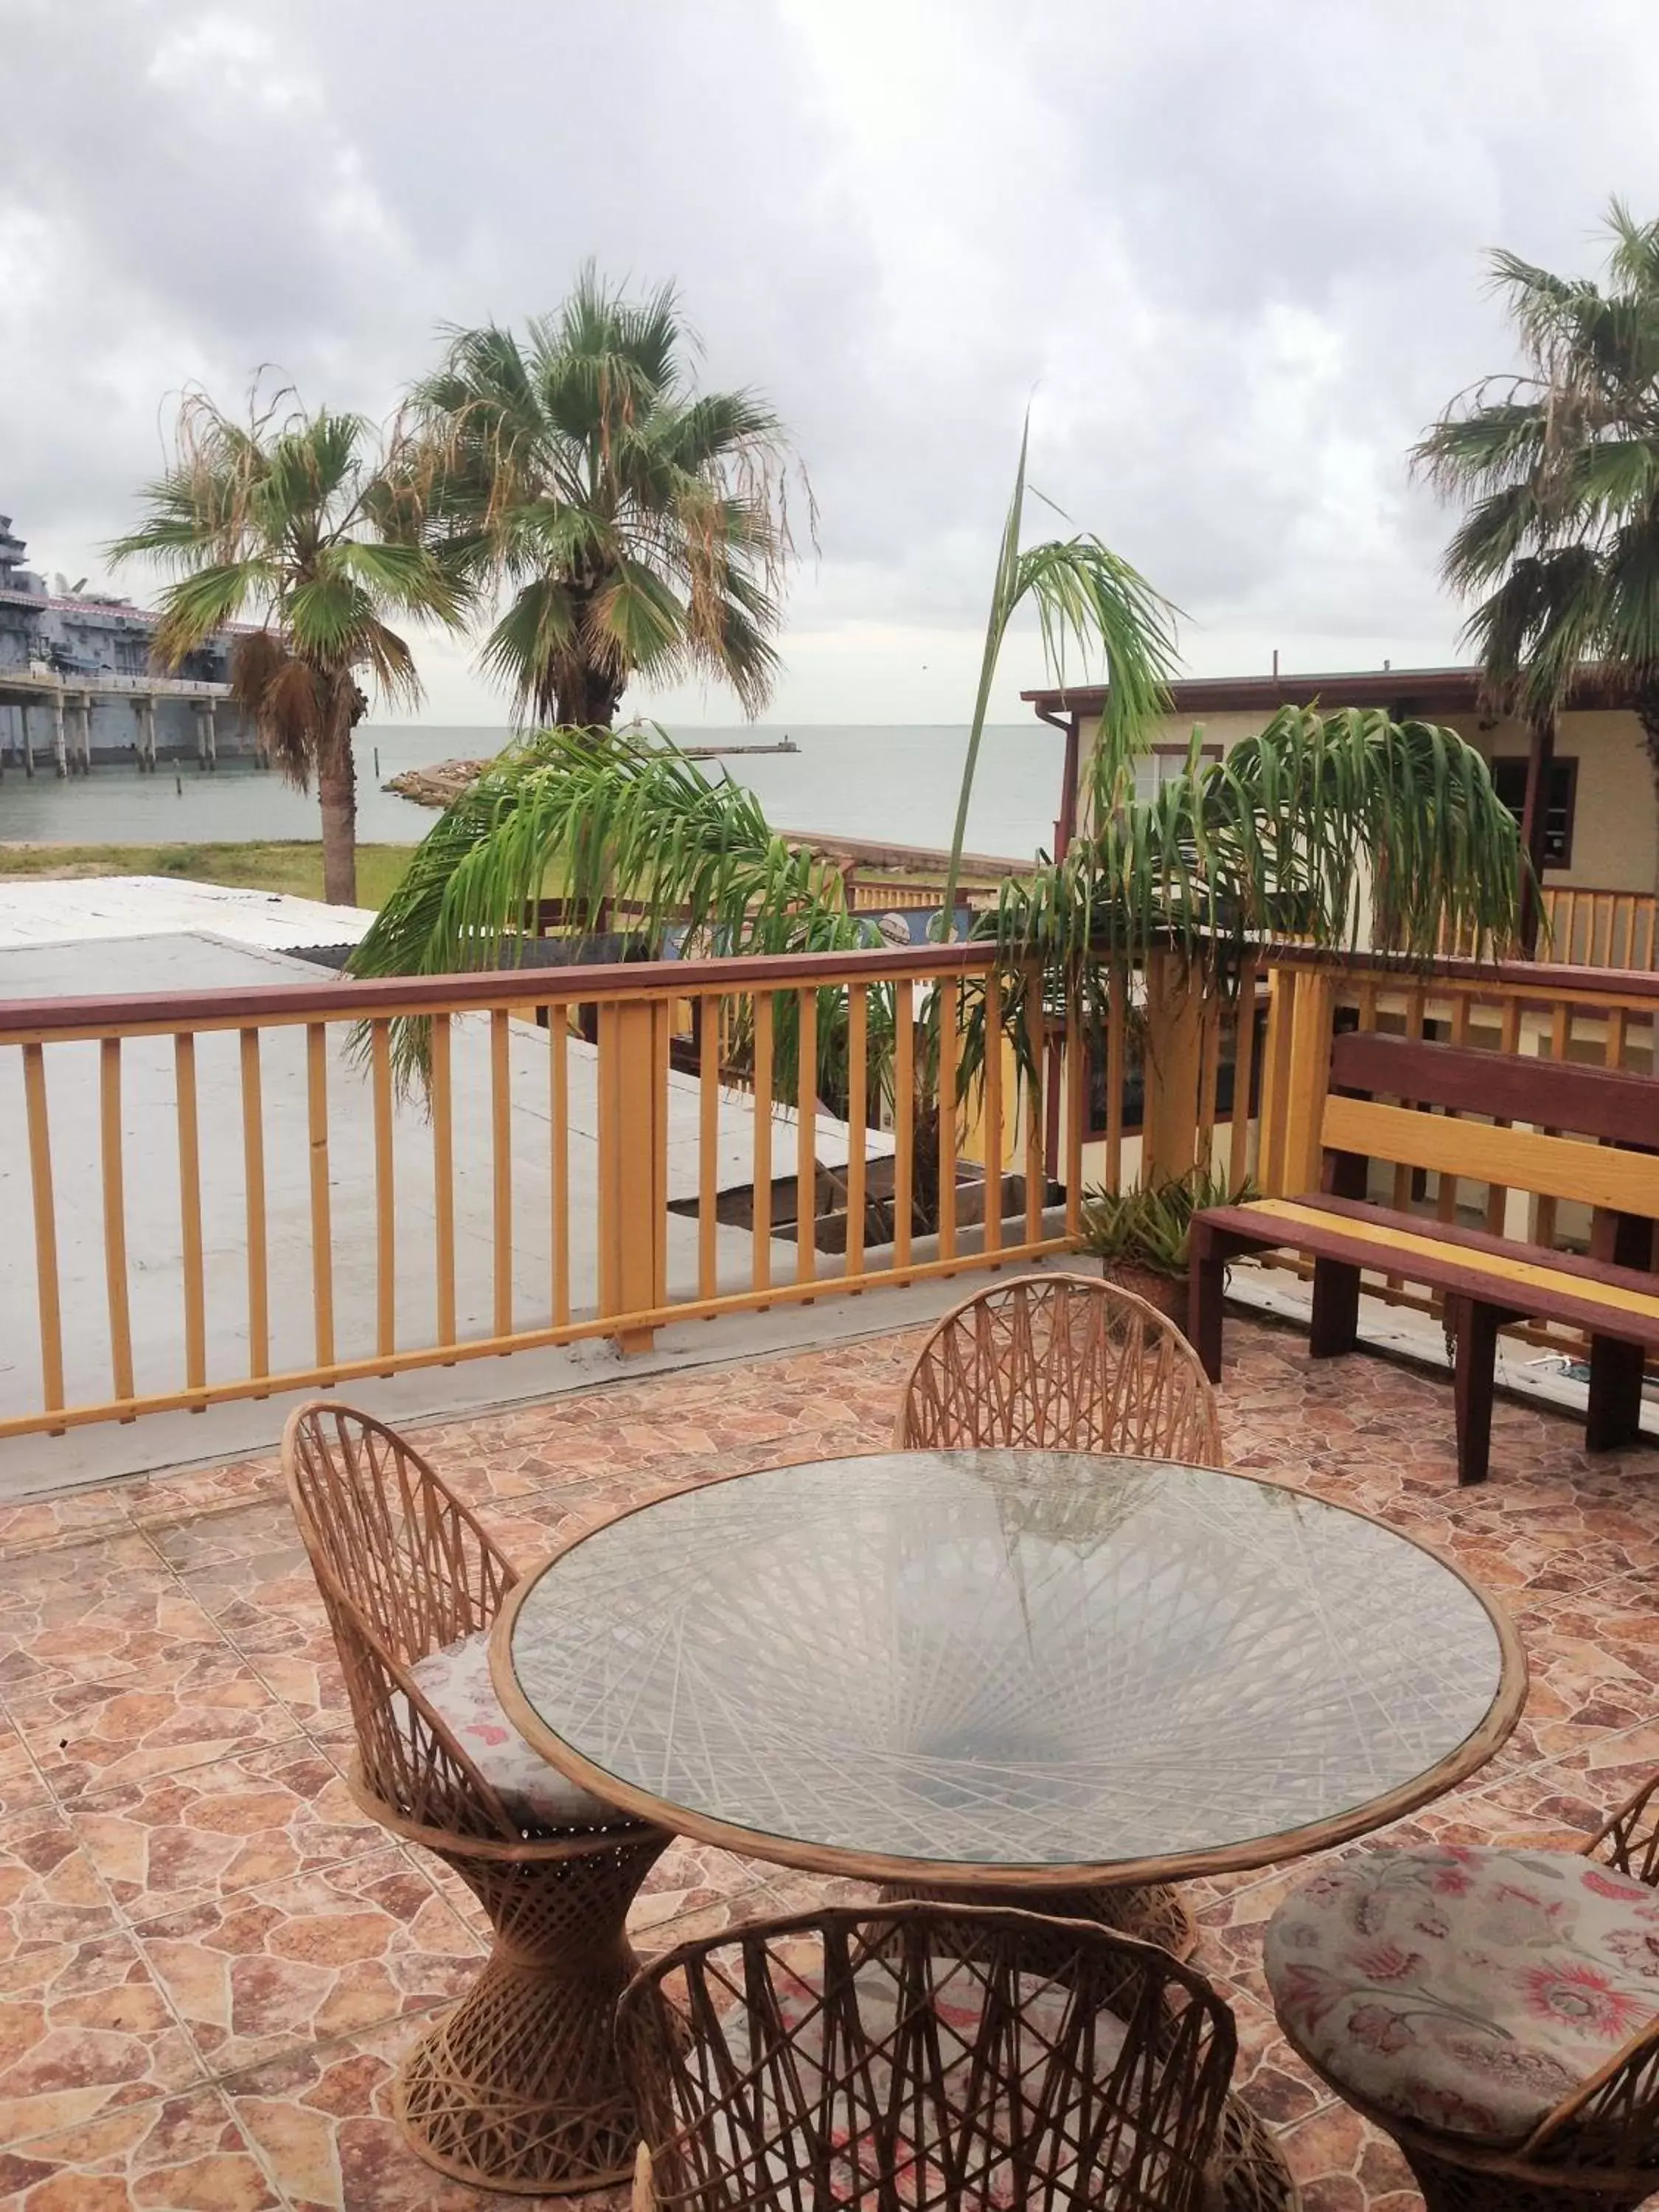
(1234, 252)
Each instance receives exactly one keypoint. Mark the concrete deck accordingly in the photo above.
(185, 962)
(211, 1964)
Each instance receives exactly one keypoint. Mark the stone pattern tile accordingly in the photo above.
(209, 1963)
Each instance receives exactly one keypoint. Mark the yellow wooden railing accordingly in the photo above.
(1591, 928)
(228, 1195)
(1584, 1015)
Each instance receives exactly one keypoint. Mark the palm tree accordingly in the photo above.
(282, 519)
(1559, 465)
(639, 528)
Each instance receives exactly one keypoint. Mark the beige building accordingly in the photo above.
(1600, 827)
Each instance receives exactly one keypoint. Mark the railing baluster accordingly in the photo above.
(558, 1137)
(386, 1195)
(322, 1221)
(806, 1134)
(501, 1162)
(1509, 1041)
(946, 1000)
(443, 1178)
(189, 1212)
(858, 1121)
(1238, 1150)
(51, 1317)
(115, 1216)
(1076, 1087)
(1209, 1070)
(1116, 1073)
(995, 1148)
(904, 1117)
(1560, 1040)
(1614, 1052)
(762, 1185)
(1037, 1045)
(1445, 1197)
(709, 1141)
(253, 1203)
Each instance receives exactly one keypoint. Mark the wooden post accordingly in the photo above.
(211, 734)
(633, 1047)
(28, 740)
(1534, 819)
(57, 751)
(1173, 1060)
(1307, 1078)
(1066, 828)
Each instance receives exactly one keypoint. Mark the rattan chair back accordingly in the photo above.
(929, 2055)
(1060, 1363)
(403, 1569)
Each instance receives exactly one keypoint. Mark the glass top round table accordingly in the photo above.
(1018, 1668)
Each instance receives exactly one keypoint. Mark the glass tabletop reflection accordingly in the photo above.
(999, 1659)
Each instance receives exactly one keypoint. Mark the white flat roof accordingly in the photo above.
(79, 909)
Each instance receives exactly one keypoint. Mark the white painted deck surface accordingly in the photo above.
(123, 962)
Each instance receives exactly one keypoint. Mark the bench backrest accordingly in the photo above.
(1608, 1108)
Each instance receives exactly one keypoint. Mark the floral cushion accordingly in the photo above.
(456, 1684)
(1468, 1990)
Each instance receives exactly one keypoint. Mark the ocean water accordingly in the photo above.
(897, 784)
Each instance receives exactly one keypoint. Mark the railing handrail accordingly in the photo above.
(1550, 979)
(348, 998)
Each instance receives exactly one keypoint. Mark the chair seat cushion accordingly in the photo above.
(1468, 1991)
(455, 1682)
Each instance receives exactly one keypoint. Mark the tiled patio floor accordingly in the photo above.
(209, 1964)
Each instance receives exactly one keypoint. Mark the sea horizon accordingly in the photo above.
(889, 782)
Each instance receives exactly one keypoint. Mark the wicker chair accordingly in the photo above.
(1553, 2106)
(1066, 1363)
(1060, 1363)
(924, 2057)
(518, 2088)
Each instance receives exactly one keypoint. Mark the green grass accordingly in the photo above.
(275, 866)
(279, 866)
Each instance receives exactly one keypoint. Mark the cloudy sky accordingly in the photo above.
(1232, 252)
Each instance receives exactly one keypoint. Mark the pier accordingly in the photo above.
(68, 703)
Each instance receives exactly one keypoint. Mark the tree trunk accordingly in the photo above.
(336, 789)
(585, 698)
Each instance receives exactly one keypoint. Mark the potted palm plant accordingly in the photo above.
(1141, 1236)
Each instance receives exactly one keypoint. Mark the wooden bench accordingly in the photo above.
(1487, 1280)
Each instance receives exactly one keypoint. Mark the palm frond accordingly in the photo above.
(1089, 601)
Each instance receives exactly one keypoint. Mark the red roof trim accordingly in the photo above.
(1414, 691)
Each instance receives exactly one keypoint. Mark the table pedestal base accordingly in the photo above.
(1153, 1911)
(518, 2087)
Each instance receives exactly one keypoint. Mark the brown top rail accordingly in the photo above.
(1546, 979)
(351, 999)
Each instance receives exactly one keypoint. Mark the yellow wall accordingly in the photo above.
(1615, 843)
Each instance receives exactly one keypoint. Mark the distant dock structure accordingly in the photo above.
(77, 685)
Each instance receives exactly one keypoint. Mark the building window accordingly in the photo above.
(1509, 778)
(1161, 764)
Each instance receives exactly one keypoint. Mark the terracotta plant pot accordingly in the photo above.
(1167, 1292)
